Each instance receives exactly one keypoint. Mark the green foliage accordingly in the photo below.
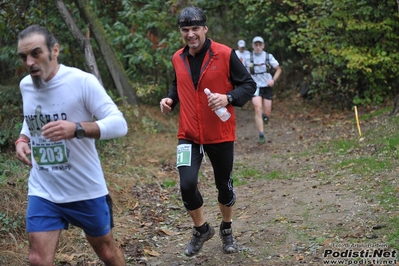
(344, 52)
(108, 148)
(353, 47)
(115, 97)
(10, 116)
(10, 223)
(145, 37)
(12, 181)
(149, 125)
(17, 15)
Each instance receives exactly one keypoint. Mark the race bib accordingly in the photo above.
(47, 153)
(183, 155)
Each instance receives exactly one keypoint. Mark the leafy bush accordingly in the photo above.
(353, 47)
(10, 116)
(11, 223)
(145, 38)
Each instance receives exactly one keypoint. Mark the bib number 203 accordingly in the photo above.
(50, 155)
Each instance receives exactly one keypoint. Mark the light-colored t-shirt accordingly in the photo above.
(261, 76)
(242, 55)
(68, 170)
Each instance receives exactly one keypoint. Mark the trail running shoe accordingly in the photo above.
(261, 139)
(265, 119)
(229, 243)
(198, 240)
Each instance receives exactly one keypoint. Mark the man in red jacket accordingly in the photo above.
(202, 64)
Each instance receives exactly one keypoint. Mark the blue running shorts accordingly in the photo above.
(93, 216)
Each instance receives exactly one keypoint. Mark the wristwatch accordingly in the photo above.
(79, 132)
(229, 98)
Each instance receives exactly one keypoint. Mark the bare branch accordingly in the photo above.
(83, 41)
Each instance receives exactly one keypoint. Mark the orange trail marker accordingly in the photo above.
(357, 122)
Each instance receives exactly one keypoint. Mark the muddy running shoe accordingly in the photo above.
(229, 243)
(265, 119)
(198, 240)
(261, 139)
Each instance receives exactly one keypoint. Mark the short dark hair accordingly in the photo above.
(48, 36)
(191, 16)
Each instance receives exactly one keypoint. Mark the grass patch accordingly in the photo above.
(169, 183)
(374, 113)
(381, 111)
(388, 198)
(392, 237)
(364, 165)
(243, 173)
(341, 146)
(273, 175)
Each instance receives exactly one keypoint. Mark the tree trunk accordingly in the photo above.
(84, 42)
(114, 65)
(395, 108)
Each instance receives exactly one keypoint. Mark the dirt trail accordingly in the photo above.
(283, 221)
(292, 203)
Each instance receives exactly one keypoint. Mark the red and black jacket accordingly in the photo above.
(197, 121)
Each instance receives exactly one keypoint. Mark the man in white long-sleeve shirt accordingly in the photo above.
(66, 182)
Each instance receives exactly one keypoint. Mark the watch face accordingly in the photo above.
(80, 133)
(229, 98)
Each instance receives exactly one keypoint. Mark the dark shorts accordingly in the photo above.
(93, 216)
(266, 93)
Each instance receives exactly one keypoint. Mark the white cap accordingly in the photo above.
(241, 43)
(257, 39)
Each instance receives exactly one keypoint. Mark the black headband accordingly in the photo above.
(191, 16)
(191, 23)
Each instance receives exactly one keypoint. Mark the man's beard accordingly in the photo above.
(38, 82)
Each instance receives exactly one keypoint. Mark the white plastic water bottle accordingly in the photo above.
(222, 113)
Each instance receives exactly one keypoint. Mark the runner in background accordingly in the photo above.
(242, 53)
(260, 64)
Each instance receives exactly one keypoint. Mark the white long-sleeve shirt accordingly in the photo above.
(68, 170)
